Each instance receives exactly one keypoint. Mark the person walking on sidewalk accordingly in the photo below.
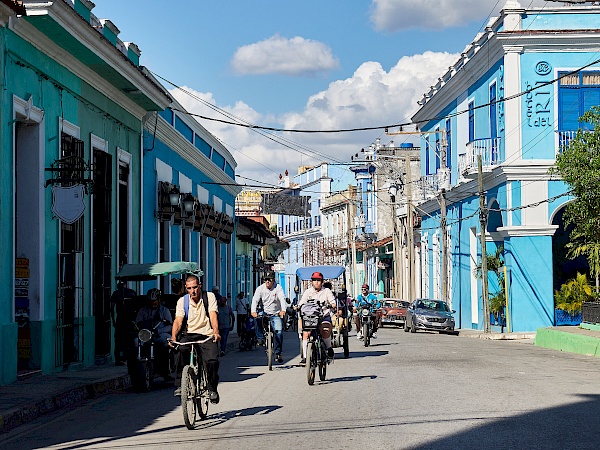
(272, 298)
(124, 315)
(202, 322)
(242, 307)
(226, 321)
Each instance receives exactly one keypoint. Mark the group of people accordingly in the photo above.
(200, 315)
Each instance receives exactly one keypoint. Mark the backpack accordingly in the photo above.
(186, 305)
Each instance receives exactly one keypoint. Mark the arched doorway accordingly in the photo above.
(564, 268)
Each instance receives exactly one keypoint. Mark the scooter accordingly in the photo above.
(141, 361)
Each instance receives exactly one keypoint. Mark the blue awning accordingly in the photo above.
(329, 272)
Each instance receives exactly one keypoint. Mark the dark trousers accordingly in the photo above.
(121, 334)
(241, 323)
(210, 356)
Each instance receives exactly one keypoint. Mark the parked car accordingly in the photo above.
(393, 312)
(428, 314)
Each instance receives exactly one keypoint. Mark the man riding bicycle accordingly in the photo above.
(202, 322)
(370, 300)
(327, 300)
(273, 300)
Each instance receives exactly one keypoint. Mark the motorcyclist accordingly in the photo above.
(327, 300)
(154, 314)
(370, 300)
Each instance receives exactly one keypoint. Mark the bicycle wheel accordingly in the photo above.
(269, 343)
(322, 363)
(203, 398)
(188, 396)
(311, 363)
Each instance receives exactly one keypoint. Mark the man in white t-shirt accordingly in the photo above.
(243, 309)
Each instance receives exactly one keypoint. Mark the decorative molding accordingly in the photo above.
(98, 143)
(66, 17)
(529, 230)
(179, 144)
(26, 110)
(124, 156)
(67, 127)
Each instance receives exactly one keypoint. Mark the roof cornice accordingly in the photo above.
(179, 144)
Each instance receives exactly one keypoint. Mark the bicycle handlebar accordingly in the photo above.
(189, 343)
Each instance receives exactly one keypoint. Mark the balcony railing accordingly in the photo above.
(425, 188)
(488, 148)
(565, 137)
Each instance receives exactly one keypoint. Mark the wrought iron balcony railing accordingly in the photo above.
(488, 148)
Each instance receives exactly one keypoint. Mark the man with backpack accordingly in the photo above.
(198, 309)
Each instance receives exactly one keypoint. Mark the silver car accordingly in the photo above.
(428, 314)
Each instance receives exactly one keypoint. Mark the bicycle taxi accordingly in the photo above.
(336, 275)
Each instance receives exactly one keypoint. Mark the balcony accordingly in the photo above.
(565, 137)
(425, 188)
(488, 148)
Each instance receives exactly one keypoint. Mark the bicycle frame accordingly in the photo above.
(269, 335)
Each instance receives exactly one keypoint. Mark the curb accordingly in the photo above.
(29, 412)
(499, 336)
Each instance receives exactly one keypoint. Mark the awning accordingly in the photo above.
(140, 272)
(329, 272)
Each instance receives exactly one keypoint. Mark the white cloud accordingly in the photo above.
(397, 15)
(371, 97)
(296, 56)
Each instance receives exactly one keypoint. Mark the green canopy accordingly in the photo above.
(140, 272)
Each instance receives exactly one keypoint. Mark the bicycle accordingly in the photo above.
(195, 395)
(316, 352)
(268, 335)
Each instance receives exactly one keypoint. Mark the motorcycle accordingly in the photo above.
(366, 322)
(143, 360)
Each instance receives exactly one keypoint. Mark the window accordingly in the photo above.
(471, 121)
(448, 143)
(577, 93)
(493, 114)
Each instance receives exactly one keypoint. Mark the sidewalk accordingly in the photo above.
(494, 335)
(31, 397)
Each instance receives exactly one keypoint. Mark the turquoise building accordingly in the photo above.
(100, 168)
(184, 162)
(513, 98)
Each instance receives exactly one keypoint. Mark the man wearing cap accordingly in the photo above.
(370, 300)
(327, 300)
(271, 295)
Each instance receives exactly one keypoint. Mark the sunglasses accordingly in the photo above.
(316, 279)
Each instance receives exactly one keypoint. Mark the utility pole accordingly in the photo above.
(409, 232)
(483, 226)
(442, 188)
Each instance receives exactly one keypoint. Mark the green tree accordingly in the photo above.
(495, 263)
(579, 166)
(573, 293)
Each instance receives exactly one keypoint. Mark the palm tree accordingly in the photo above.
(495, 262)
(579, 246)
(573, 293)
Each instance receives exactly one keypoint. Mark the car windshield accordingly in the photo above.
(436, 305)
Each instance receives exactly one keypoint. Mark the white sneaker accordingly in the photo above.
(359, 336)
(374, 335)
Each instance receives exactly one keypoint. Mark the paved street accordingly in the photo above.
(406, 391)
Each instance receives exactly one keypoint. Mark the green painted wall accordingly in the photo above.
(28, 73)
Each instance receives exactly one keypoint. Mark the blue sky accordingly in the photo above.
(315, 64)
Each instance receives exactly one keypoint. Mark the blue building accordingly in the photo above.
(513, 98)
(188, 201)
(303, 234)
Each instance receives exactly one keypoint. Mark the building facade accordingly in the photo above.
(511, 101)
(73, 106)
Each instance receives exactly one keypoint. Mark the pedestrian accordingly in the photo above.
(226, 321)
(241, 307)
(121, 302)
